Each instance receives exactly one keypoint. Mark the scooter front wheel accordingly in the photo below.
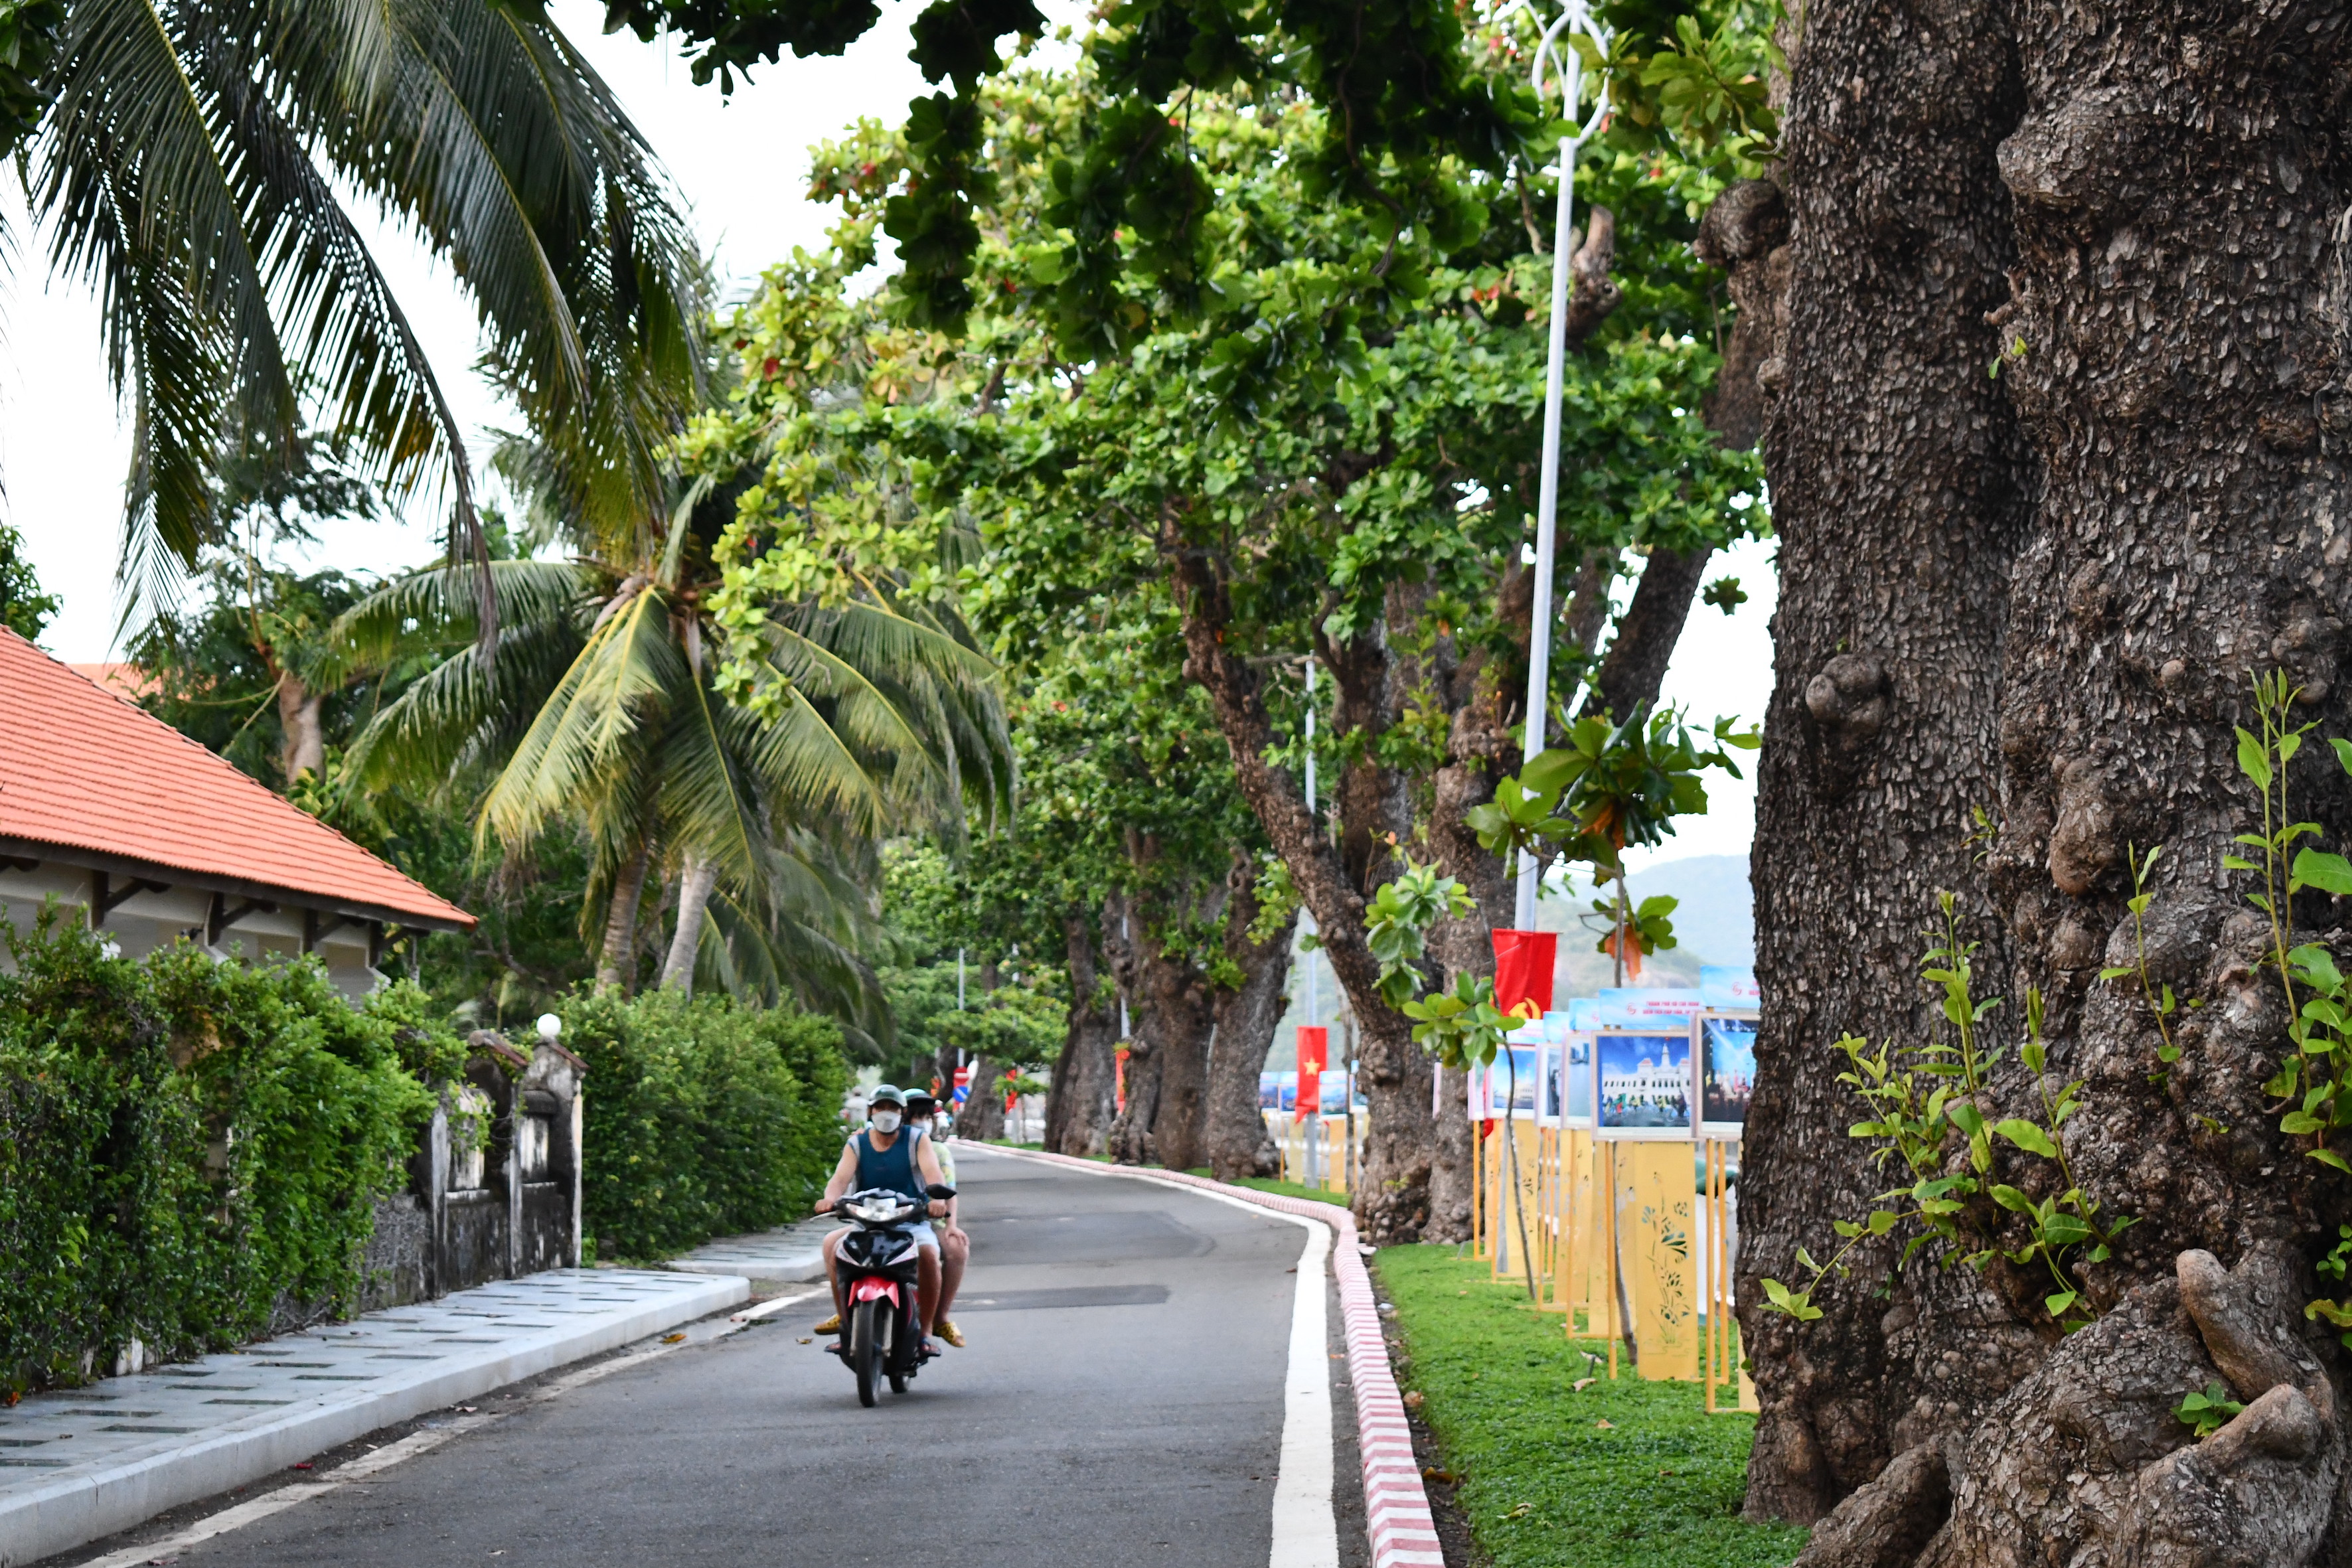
(865, 1354)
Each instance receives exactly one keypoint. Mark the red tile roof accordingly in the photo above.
(125, 681)
(83, 771)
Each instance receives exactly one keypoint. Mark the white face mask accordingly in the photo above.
(886, 1121)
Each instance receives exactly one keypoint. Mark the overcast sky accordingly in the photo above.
(742, 166)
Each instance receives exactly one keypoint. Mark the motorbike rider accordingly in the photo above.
(955, 1242)
(888, 1155)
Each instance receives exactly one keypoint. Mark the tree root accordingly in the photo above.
(2084, 1464)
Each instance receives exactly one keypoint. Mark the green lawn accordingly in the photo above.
(1625, 1473)
(1284, 1189)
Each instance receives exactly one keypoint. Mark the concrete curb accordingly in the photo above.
(36, 1522)
(1396, 1504)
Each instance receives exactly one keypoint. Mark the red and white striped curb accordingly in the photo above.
(1396, 1505)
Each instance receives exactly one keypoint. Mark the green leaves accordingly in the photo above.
(1921, 1098)
(2206, 1412)
(1797, 1304)
(1461, 1026)
(2028, 1137)
(1608, 785)
(2255, 758)
(1397, 922)
(2329, 873)
(123, 1215)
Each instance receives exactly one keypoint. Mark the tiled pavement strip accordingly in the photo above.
(790, 1253)
(83, 1463)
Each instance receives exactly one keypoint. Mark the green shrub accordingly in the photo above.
(189, 1150)
(704, 1117)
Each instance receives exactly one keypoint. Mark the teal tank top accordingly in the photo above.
(893, 1167)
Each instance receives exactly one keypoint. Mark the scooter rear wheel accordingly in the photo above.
(865, 1355)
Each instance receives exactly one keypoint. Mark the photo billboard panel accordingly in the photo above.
(1726, 1050)
(1642, 1084)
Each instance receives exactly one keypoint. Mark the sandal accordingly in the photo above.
(949, 1332)
(830, 1326)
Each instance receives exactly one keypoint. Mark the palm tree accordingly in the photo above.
(182, 157)
(602, 708)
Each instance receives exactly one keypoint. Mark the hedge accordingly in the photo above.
(190, 1150)
(704, 1117)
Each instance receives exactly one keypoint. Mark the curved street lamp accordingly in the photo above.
(1567, 67)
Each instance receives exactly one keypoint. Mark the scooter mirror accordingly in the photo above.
(940, 1191)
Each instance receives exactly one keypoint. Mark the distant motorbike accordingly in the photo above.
(882, 1331)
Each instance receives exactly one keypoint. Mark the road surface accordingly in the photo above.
(1121, 1401)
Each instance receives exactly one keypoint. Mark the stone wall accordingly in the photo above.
(494, 1188)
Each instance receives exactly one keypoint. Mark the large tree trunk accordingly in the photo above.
(1179, 1012)
(1079, 1109)
(1130, 1141)
(982, 1115)
(693, 905)
(301, 718)
(1391, 1202)
(1900, 493)
(617, 961)
(1236, 1143)
(2166, 334)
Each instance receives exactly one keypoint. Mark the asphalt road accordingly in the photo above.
(1120, 1402)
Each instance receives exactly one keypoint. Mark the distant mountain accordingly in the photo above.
(1716, 916)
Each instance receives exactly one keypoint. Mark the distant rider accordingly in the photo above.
(955, 1242)
(885, 1156)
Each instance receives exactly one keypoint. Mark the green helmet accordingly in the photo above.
(886, 1094)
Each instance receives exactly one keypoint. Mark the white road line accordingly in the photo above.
(1306, 1531)
(286, 1497)
(753, 1314)
(409, 1447)
(1306, 1528)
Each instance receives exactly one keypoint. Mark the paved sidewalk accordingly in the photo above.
(83, 1463)
(788, 1255)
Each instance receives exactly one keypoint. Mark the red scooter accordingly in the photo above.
(878, 1266)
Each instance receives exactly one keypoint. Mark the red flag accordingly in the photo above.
(1313, 1045)
(1523, 968)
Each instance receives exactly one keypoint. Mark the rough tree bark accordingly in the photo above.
(982, 1116)
(1899, 488)
(1079, 1109)
(2162, 185)
(1178, 1013)
(1129, 1141)
(1235, 1141)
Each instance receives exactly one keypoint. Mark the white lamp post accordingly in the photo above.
(550, 1027)
(1568, 67)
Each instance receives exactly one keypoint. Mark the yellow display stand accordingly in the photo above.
(1657, 1216)
(1578, 1280)
(1498, 1224)
(1722, 1332)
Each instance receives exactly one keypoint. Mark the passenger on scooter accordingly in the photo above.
(885, 1156)
(955, 1242)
